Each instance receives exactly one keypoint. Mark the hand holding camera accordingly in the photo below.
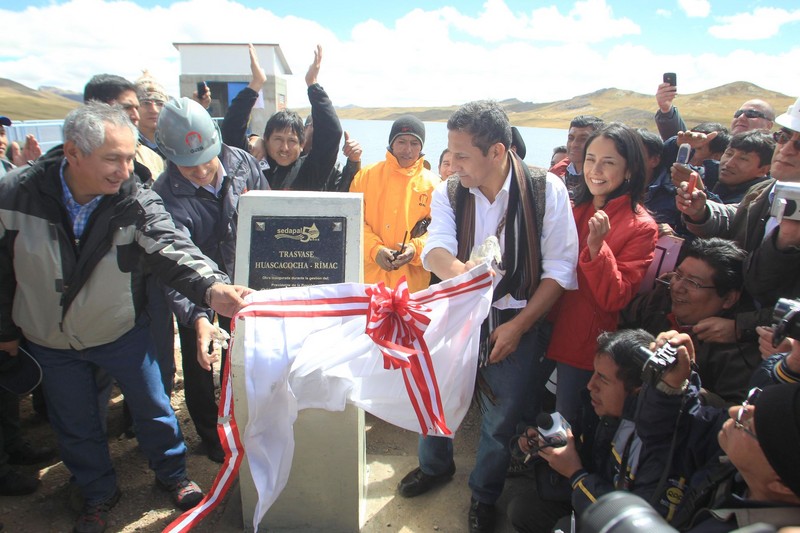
(671, 363)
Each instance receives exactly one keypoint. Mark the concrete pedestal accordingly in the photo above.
(325, 492)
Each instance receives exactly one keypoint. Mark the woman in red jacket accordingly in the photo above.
(617, 238)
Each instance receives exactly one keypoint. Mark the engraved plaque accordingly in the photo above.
(296, 251)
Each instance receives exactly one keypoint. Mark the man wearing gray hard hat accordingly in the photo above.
(201, 188)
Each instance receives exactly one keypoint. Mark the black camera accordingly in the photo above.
(785, 317)
(654, 364)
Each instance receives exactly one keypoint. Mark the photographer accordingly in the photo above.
(703, 292)
(773, 245)
(730, 467)
(603, 452)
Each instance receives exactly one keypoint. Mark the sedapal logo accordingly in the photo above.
(304, 234)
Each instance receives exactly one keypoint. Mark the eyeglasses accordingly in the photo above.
(738, 422)
(157, 103)
(783, 137)
(750, 113)
(675, 277)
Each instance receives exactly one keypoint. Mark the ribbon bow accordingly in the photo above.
(396, 323)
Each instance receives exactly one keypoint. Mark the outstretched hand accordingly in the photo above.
(227, 299)
(31, 151)
(696, 139)
(258, 74)
(313, 68)
(351, 149)
(665, 94)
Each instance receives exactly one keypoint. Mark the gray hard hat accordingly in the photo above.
(186, 134)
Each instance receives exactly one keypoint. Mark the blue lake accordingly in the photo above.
(374, 136)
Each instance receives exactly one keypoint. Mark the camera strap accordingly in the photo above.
(624, 481)
(662, 482)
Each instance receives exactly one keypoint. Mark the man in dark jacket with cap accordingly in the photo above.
(201, 189)
(749, 473)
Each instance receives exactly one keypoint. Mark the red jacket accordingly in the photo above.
(605, 284)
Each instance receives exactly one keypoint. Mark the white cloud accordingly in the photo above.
(695, 8)
(762, 23)
(425, 58)
(588, 21)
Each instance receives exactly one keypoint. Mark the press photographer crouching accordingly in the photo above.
(603, 452)
(733, 467)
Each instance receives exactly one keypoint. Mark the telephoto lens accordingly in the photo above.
(622, 512)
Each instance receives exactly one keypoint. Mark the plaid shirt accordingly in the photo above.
(78, 214)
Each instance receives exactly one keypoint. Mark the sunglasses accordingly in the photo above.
(783, 137)
(750, 113)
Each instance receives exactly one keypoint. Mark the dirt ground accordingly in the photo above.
(145, 508)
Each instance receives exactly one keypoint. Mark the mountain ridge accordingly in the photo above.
(611, 104)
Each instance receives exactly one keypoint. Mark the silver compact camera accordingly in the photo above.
(786, 203)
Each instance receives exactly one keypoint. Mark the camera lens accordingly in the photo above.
(622, 512)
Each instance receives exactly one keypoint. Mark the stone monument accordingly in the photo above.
(289, 239)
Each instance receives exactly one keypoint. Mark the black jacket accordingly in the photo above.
(309, 172)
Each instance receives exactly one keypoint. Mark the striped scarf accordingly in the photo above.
(522, 256)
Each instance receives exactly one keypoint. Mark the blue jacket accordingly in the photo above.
(208, 221)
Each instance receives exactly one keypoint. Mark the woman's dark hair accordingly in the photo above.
(629, 145)
(622, 347)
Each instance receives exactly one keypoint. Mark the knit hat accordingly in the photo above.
(777, 423)
(516, 140)
(407, 125)
(147, 88)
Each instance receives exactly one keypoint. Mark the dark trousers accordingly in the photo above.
(198, 385)
(529, 513)
(9, 427)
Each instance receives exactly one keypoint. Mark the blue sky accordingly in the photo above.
(438, 53)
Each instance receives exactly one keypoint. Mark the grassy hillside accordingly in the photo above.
(23, 103)
(634, 109)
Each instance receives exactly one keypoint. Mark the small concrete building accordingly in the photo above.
(225, 68)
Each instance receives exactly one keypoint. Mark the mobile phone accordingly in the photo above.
(692, 183)
(202, 89)
(671, 78)
(684, 153)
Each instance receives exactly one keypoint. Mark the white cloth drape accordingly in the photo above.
(308, 347)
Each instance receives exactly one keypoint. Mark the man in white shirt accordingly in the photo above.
(495, 194)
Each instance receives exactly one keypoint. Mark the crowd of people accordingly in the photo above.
(129, 227)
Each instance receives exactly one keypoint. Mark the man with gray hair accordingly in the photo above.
(78, 236)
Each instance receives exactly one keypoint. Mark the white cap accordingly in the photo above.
(791, 119)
